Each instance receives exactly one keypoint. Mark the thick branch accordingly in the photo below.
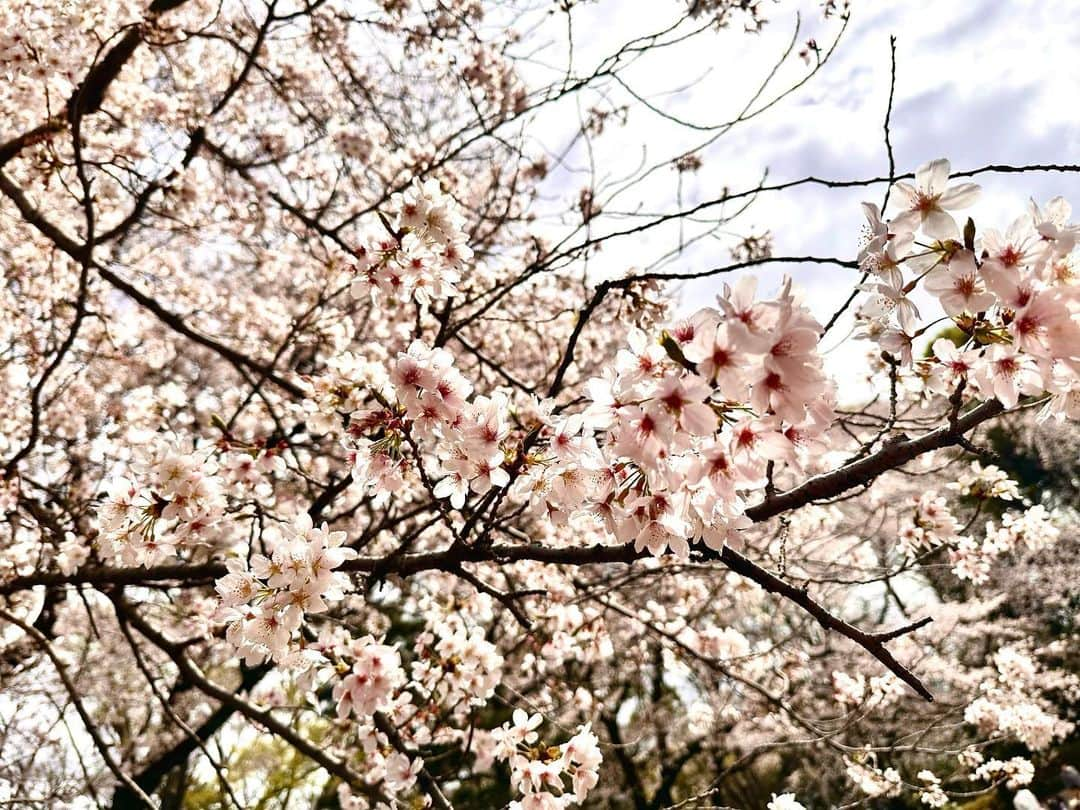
(824, 486)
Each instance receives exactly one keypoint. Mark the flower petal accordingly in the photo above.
(939, 225)
(960, 196)
(933, 176)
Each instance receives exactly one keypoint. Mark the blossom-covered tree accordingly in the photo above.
(340, 471)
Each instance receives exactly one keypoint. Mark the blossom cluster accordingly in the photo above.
(431, 405)
(1013, 296)
(785, 801)
(988, 482)
(932, 524)
(1015, 771)
(1033, 529)
(423, 253)
(172, 499)
(265, 603)
(453, 671)
(932, 794)
(372, 682)
(457, 665)
(876, 782)
(681, 430)
(673, 437)
(877, 690)
(540, 772)
(1007, 705)
(180, 502)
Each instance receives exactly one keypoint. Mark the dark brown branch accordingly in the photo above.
(229, 697)
(73, 693)
(824, 486)
(175, 322)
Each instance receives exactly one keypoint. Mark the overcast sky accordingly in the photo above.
(978, 82)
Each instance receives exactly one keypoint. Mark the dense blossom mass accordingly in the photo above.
(339, 472)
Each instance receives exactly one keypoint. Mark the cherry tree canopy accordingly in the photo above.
(341, 468)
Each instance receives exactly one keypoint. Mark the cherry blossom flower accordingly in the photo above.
(785, 801)
(1006, 374)
(720, 359)
(372, 680)
(929, 201)
(957, 285)
(957, 364)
